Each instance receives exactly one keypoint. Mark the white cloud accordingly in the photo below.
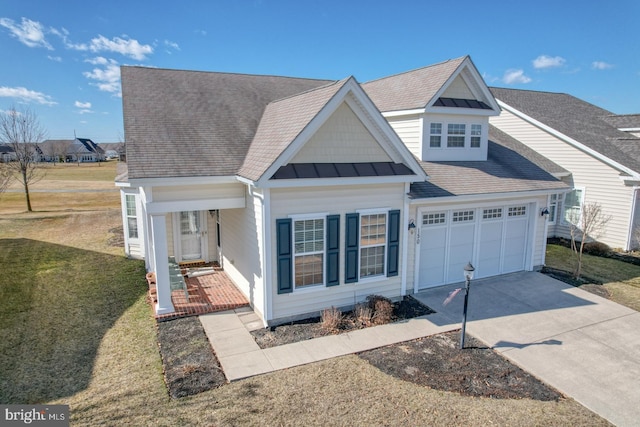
(172, 45)
(82, 104)
(26, 95)
(124, 46)
(98, 60)
(544, 61)
(107, 78)
(514, 76)
(600, 65)
(30, 33)
(54, 58)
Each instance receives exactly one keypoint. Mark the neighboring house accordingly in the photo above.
(80, 150)
(601, 151)
(7, 153)
(112, 150)
(310, 197)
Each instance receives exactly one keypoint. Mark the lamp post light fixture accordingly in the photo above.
(468, 275)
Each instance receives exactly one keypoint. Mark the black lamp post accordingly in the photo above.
(468, 275)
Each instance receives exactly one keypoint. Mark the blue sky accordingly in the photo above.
(62, 58)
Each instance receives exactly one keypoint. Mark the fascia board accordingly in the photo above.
(186, 180)
(328, 182)
(569, 140)
(469, 198)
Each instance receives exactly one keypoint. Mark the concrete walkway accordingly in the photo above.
(240, 356)
(583, 345)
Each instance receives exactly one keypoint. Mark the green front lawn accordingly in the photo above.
(620, 279)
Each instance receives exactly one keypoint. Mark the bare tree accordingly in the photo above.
(6, 176)
(588, 224)
(21, 130)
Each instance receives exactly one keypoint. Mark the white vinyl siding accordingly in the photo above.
(335, 200)
(409, 129)
(342, 138)
(602, 183)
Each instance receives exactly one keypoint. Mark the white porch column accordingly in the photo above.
(161, 262)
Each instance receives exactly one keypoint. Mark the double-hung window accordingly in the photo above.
(308, 242)
(373, 243)
(476, 134)
(132, 219)
(573, 206)
(435, 135)
(455, 135)
(555, 206)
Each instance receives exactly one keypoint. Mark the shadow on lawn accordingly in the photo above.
(56, 304)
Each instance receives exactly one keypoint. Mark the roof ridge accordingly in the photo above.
(461, 58)
(335, 82)
(228, 73)
(531, 90)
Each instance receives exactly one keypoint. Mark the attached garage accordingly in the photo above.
(494, 238)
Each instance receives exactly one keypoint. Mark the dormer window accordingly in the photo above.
(435, 137)
(455, 135)
(476, 134)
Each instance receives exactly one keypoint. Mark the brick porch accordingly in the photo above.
(207, 294)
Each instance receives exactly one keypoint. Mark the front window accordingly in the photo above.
(455, 135)
(132, 219)
(435, 137)
(308, 238)
(573, 206)
(373, 244)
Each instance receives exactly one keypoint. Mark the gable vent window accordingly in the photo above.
(476, 133)
(455, 135)
(434, 218)
(517, 211)
(462, 216)
(435, 135)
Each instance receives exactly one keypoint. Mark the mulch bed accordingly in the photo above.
(310, 328)
(584, 283)
(438, 363)
(190, 366)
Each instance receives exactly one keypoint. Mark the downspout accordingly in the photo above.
(632, 221)
(266, 266)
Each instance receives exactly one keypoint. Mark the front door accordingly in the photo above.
(192, 235)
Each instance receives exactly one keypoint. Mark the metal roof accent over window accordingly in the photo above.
(461, 103)
(341, 170)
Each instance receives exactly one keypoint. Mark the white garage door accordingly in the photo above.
(494, 239)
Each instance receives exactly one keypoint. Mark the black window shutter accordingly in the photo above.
(285, 257)
(352, 226)
(393, 243)
(333, 250)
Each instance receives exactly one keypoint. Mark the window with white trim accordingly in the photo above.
(132, 218)
(456, 135)
(573, 206)
(373, 244)
(555, 206)
(476, 134)
(308, 251)
(435, 135)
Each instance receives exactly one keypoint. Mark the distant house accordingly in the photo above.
(7, 153)
(317, 193)
(71, 150)
(599, 150)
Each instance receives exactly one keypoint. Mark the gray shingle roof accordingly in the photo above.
(412, 89)
(622, 121)
(169, 118)
(510, 167)
(577, 119)
(280, 124)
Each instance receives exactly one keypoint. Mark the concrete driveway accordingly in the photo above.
(585, 346)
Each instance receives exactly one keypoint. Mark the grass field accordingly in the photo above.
(75, 328)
